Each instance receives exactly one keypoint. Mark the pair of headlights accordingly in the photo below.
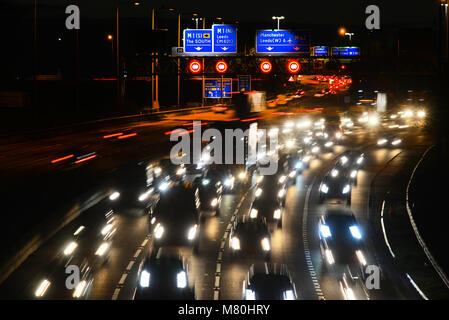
(159, 231)
(181, 279)
(265, 243)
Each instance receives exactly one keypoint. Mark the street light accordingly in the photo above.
(278, 19)
(343, 32)
(196, 20)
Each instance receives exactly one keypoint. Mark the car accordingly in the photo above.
(349, 164)
(335, 186)
(165, 171)
(53, 282)
(175, 217)
(333, 131)
(292, 165)
(389, 142)
(269, 281)
(250, 237)
(220, 173)
(163, 275)
(341, 243)
(273, 186)
(210, 191)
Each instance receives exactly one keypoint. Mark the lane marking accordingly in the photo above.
(137, 253)
(415, 228)
(115, 295)
(383, 228)
(305, 241)
(222, 247)
(130, 265)
(416, 287)
(123, 278)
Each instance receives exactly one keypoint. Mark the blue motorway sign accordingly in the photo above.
(346, 51)
(225, 38)
(212, 88)
(197, 40)
(282, 41)
(320, 51)
(244, 83)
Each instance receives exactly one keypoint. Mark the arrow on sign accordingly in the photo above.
(225, 48)
(198, 48)
(270, 48)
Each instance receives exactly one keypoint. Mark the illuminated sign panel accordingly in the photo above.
(282, 41)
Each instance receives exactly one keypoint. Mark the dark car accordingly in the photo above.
(341, 243)
(250, 237)
(175, 218)
(220, 173)
(349, 164)
(268, 205)
(273, 186)
(335, 186)
(268, 281)
(165, 171)
(52, 283)
(163, 276)
(210, 191)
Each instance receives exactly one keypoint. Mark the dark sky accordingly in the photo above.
(420, 12)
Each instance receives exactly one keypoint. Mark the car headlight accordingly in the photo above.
(338, 135)
(157, 170)
(382, 141)
(344, 159)
(235, 243)
(259, 179)
(258, 192)
(158, 231)
(227, 182)
(325, 231)
(214, 202)
(281, 193)
(346, 189)
(70, 248)
(288, 295)
(421, 114)
(250, 294)
(298, 165)
(42, 289)
(253, 213)
(192, 232)
(396, 142)
(144, 279)
(361, 257)
(316, 149)
(353, 173)
(163, 186)
(265, 244)
(277, 214)
(180, 171)
(145, 195)
(324, 188)
(102, 249)
(328, 144)
(359, 160)
(79, 289)
(114, 196)
(282, 179)
(355, 232)
(106, 229)
(242, 175)
(292, 174)
(334, 173)
(181, 279)
(329, 256)
(205, 182)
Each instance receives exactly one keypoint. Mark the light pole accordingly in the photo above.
(110, 37)
(196, 19)
(278, 19)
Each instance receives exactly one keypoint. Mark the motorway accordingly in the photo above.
(213, 272)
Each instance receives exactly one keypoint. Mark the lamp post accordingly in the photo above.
(278, 19)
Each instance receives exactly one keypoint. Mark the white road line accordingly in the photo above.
(130, 265)
(312, 272)
(216, 294)
(137, 253)
(429, 255)
(144, 243)
(218, 270)
(217, 281)
(122, 279)
(416, 287)
(383, 229)
(115, 295)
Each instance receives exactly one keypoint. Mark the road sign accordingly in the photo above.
(345, 51)
(212, 88)
(320, 51)
(197, 40)
(221, 66)
(195, 66)
(244, 83)
(266, 66)
(224, 38)
(282, 42)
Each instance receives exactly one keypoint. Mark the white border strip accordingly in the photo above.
(383, 229)
(415, 228)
